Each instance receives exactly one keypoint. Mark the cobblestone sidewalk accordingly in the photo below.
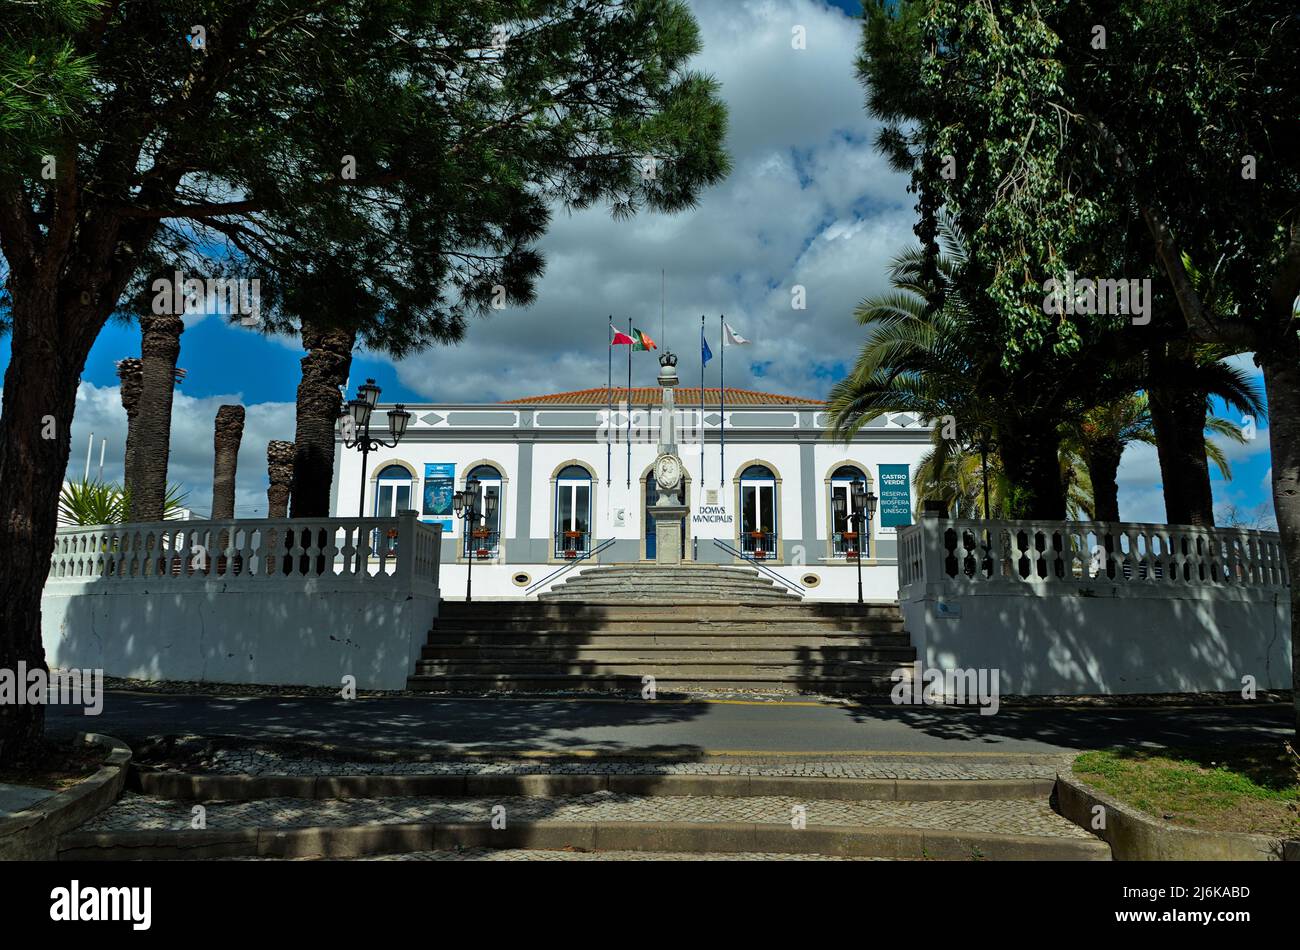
(145, 813)
(270, 762)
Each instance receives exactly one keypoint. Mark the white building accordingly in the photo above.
(572, 477)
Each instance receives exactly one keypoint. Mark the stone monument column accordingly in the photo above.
(669, 511)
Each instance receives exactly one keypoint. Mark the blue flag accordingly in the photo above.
(706, 354)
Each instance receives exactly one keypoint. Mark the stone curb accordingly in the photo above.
(1133, 835)
(721, 837)
(33, 833)
(190, 787)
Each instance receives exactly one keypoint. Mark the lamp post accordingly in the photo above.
(356, 429)
(465, 502)
(864, 510)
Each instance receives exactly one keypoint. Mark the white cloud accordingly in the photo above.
(99, 410)
(809, 202)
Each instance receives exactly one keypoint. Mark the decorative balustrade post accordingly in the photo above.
(933, 527)
(407, 544)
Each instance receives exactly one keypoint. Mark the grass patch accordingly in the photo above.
(1253, 788)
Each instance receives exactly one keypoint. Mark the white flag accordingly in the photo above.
(730, 337)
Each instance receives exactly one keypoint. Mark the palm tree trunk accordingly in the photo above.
(130, 371)
(1178, 418)
(1030, 459)
(160, 346)
(1282, 385)
(227, 433)
(279, 471)
(324, 372)
(1103, 471)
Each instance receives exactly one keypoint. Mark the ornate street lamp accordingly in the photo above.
(864, 510)
(358, 415)
(465, 503)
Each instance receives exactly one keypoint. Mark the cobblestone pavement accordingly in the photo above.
(506, 854)
(145, 813)
(520, 854)
(271, 762)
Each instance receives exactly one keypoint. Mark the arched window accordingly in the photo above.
(758, 536)
(847, 537)
(572, 511)
(486, 537)
(392, 491)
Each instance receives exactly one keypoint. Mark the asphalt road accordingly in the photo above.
(692, 728)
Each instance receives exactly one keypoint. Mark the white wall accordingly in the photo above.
(238, 632)
(1110, 642)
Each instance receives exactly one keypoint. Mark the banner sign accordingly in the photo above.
(439, 486)
(895, 496)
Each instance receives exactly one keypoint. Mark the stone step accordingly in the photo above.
(649, 570)
(674, 641)
(544, 653)
(668, 576)
(671, 663)
(667, 584)
(509, 631)
(616, 617)
(774, 681)
(680, 596)
(485, 612)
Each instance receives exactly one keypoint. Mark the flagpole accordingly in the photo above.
(609, 411)
(702, 452)
(722, 403)
(630, 348)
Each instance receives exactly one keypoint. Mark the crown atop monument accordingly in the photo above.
(669, 358)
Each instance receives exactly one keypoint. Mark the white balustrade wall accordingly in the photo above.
(1080, 608)
(306, 601)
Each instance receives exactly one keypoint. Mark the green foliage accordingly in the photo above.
(89, 503)
(388, 166)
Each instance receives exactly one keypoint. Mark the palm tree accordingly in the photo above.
(130, 372)
(279, 471)
(160, 346)
(925, 355)
(1182, 378)
(1183, 382)
(325, 371)
(1098, 437)
(228, 430)
(970, 483)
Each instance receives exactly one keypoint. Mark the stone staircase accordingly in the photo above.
(693, 628)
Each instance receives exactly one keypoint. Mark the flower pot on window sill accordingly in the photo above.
(483, 553)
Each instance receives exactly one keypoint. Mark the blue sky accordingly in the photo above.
(809, 204)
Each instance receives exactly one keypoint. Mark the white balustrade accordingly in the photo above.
(971, 554)
(393, 552)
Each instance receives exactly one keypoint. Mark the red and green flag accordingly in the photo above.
(642, 341)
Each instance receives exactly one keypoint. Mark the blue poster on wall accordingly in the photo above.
(439, 486)
(895, 496)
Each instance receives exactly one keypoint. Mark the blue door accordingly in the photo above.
(651, 544)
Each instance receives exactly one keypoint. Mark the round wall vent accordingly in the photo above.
(521, 579)
(810, 580)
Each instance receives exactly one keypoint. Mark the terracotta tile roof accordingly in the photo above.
(685, 396)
